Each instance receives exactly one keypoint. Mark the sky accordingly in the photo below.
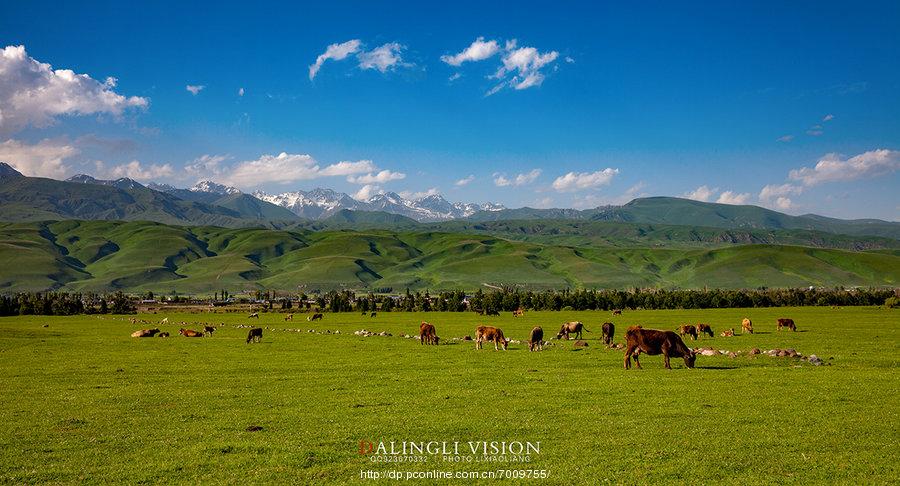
(792, 107)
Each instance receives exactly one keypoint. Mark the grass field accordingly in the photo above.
(82, 401)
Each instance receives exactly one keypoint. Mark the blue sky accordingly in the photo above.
(790, 107)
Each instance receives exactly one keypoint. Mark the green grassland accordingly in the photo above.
(81, 401)
(141, 256)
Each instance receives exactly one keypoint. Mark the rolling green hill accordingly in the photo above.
(138, 256)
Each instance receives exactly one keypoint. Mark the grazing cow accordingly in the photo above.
(747, 325)
(689, 330)
(617, 312)
(163, 334)
(427, 334)
(253, 315)
(788, 323)
(255, 335)
(164, 321)
(289, 317)
(519, 312)
(654, 342)
(208, 330)
(491, 313)
(145, 333)
(704, 329)
(609, 331)
(728, 333)
(190, 333)
(315, 317)
(489, 333)
(373, 314)
(574, 327)
(536, 340)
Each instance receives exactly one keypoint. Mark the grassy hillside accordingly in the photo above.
(107, 255)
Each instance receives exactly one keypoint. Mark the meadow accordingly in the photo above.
(81, 401)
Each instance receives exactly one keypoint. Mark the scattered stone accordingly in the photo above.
(732, 354)
(46, 325)
(707, 352)
(755, 351)
(254, 428)
(581, 344)
(815, 360)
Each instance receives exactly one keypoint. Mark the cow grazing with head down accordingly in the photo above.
(190, 333)
(574, 327)
(255, 335)
(609, 331)
(315, 317)
(427, 334)
(145, 333)
(704, 329)
(490, 333)
(728, 333)
(687, 329)
(208, 330)
(536, 340)
(747, 325)
(653, 342)
(253, 315)
(787, 323)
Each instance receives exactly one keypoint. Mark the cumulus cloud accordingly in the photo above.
(366, 192)
(525, 64)
(205, 166)
(377, 178)
(334, 52)
(348, 168)
(382, 58)
(33, 93)
(414, 195)
(574, 181)
(284, 168)
(520, 180)
(776, 195)
(833, 167)
(43, 159)
(195, 88)
(137, 171)
(702, 193)
(478, 50)
(730, 197)
(464, 181)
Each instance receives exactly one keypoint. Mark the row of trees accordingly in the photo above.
(501, 300)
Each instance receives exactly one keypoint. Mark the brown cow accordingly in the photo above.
(689, 330)
(490, 333)
(208, 330)
(704, 329)
(190, 333)
(747, 325)
(255, 335)
(145, 333)
(574, 327)
(617, 312)
(427, 334)
(728, 333)
(788, 323)
(519, 312)
(653, 342)
(536, 340)
(315, 317)
(609, 331)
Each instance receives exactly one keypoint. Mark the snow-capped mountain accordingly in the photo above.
(322, 203)
(121, 183)
(214, 188)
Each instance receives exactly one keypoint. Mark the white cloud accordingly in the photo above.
(570, 60)
(205, 166)
(785, 138)
(195, 88)
(783, 203)
(478, 50)
(525, 63)
(832, 167)
(241, 92)
(414, 195)
(815, 131)
(366, 192)
(544, 203)
(32, 93)
(335, 52)
(464, 181)
(377, 178)
(828, 117)
(135, 170)
(520, 180)
(43, 159)
(381, 58)
(453, 77)
(574, 181)
(777, 195)
(702, 193)
(348, 168)
(729, 197)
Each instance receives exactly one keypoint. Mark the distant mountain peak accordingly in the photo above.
(7, 170)
(215, 188)
(121, 183)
